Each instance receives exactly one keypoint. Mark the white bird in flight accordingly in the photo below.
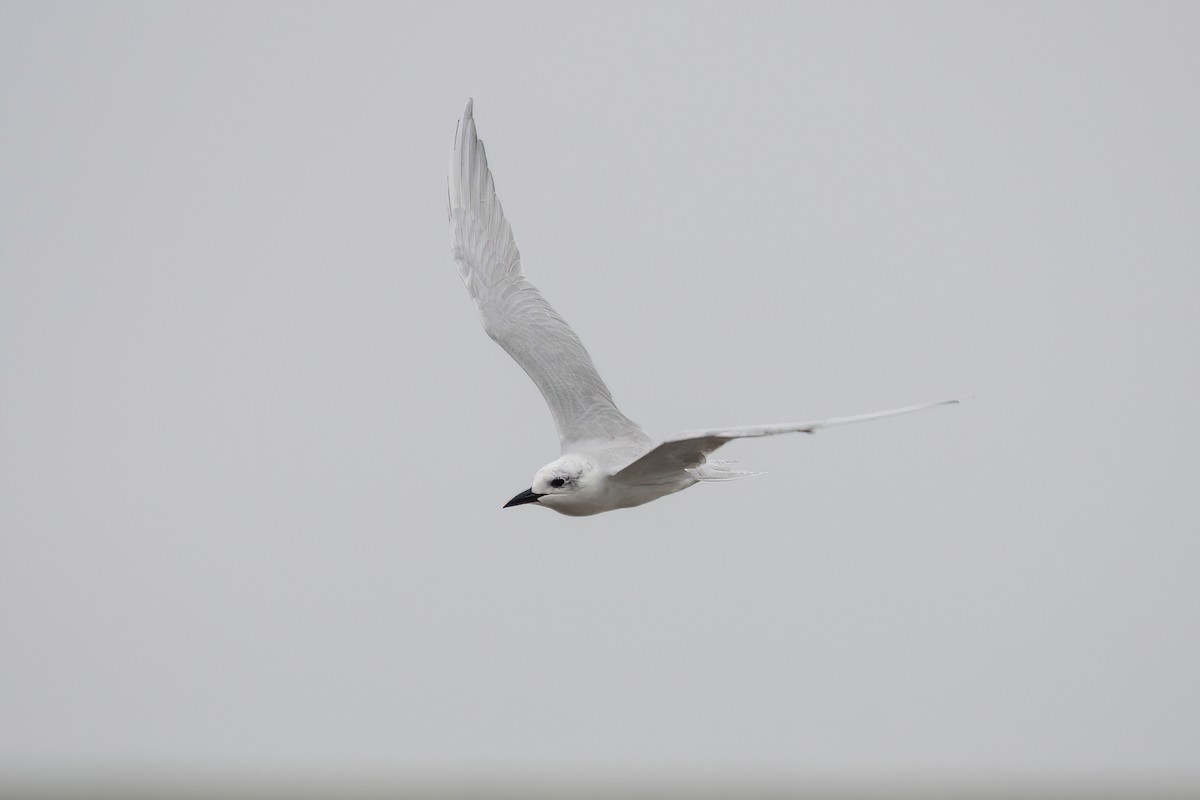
(608, 461)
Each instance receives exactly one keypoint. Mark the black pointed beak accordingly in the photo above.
(527, 496)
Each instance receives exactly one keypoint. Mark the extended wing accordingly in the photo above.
(689, 449)
(513, 311)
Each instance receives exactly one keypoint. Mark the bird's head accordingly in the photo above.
(569, 485)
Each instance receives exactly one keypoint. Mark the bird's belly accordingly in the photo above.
(631, 496)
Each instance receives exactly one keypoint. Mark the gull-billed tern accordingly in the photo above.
(607, 460)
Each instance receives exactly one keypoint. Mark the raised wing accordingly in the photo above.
(513, 311)
(689, 449)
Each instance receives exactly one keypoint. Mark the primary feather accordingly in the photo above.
(688, 450)
(514, 313)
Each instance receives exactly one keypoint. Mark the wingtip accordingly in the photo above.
(469, 109)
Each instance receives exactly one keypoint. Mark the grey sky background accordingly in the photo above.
(254, 442)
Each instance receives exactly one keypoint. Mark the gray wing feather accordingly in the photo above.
(690, 449)
(513, 311)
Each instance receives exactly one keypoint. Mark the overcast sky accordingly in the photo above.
(254, 442)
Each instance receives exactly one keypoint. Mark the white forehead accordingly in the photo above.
(567, 466)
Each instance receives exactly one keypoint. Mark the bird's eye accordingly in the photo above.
(557, 483)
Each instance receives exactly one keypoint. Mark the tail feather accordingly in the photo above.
(718, 471)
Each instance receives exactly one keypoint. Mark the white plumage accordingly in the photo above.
(607, 460)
